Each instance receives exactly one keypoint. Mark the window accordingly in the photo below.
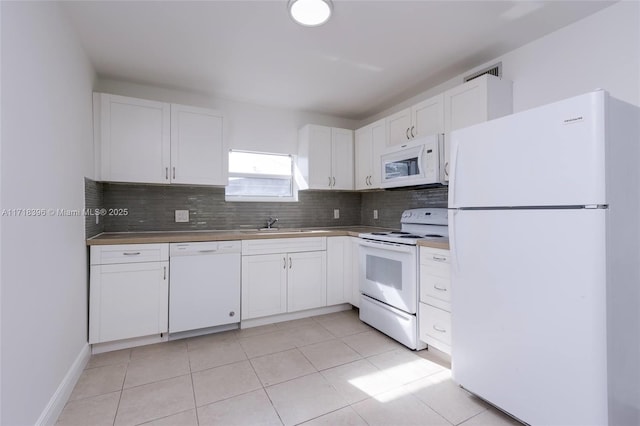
(256, 176)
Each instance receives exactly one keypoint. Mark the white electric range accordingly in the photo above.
(389, 273)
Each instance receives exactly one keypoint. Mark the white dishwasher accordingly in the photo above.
(204, 285)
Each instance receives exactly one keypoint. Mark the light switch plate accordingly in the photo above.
(336, 213)
(182, 215)
(375, 214)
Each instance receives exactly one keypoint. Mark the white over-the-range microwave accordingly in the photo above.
(415, 163)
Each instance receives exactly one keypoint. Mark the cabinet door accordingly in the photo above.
(378, 143)
(134, 139)
(128, 300)
(355, 272)
(342, 158)
(364, 157)
(307, 281)
(428, 116)
(319, 157)
(338, 270)
(198, 152)
(370, 141)
(398, 127)
(466, 105)
(264, 285)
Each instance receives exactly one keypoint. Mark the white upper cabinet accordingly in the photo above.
(481, 99)
(325, 157)
(132, 139)
(428, 117)
(370, 141)
(198, 154)
(342, 158)
(399, 127)
(145, 141)
(422, 119)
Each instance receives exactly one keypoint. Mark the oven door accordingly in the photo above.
(388, 273)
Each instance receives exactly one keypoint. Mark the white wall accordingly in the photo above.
(248, 126)
(46, 152)
(600, 51)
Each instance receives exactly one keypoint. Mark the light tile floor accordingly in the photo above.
(326, 370)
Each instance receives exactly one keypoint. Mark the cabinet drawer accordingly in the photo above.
(283, 245)
(435, 324)
(129, 253)
(437, 260)
(435, 286)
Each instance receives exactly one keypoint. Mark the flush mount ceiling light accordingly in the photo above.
(310, 13)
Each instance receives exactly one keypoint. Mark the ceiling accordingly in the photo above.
(368, 57)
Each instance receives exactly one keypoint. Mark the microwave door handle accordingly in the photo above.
(421, 161)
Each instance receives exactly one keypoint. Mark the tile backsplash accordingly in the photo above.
(93, 200)
(152, 208)
(391, 204)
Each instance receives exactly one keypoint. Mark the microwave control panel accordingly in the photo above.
(431, 159)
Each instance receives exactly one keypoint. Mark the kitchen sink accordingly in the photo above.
(276, 231)
(279, 230)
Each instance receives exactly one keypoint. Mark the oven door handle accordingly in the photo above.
(383, 245)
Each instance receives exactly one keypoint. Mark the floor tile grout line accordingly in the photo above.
(195, 401)
(164, 417)
(333, 411)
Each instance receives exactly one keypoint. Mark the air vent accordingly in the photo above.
(495, 69)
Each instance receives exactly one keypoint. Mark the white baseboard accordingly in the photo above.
(57, 402)
(256, 322)
(98, 348)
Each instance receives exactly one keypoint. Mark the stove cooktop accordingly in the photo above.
(417, 224)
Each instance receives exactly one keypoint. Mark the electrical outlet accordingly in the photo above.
(336, 213)
(182, 215)
(375, 214)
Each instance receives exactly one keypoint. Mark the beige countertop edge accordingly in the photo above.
(108, 238)
(444, 245)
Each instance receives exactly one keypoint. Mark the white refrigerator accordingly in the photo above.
(544, 228)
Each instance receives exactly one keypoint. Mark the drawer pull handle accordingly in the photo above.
(207, 251)
(439, 288)
(131, 253)
(165, 273)
(439, 329)
(290, 263)
(439, 258)
(284, 263)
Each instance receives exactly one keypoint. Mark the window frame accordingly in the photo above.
(264, 198)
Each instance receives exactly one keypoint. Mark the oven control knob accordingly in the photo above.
(406, 214)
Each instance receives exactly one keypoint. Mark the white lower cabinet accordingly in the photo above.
(128, 291)
(435, 298)
(354, 290)
(283, 275)
(339, 273)
(264, 285)
(307, 281)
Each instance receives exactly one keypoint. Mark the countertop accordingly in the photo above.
(107, 238)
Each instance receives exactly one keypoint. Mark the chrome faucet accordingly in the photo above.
(271, 221)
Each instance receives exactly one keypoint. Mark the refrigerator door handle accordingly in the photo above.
(452, 239)
(452, 177)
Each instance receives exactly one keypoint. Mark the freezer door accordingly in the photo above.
(548, 156)
(528, 312)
